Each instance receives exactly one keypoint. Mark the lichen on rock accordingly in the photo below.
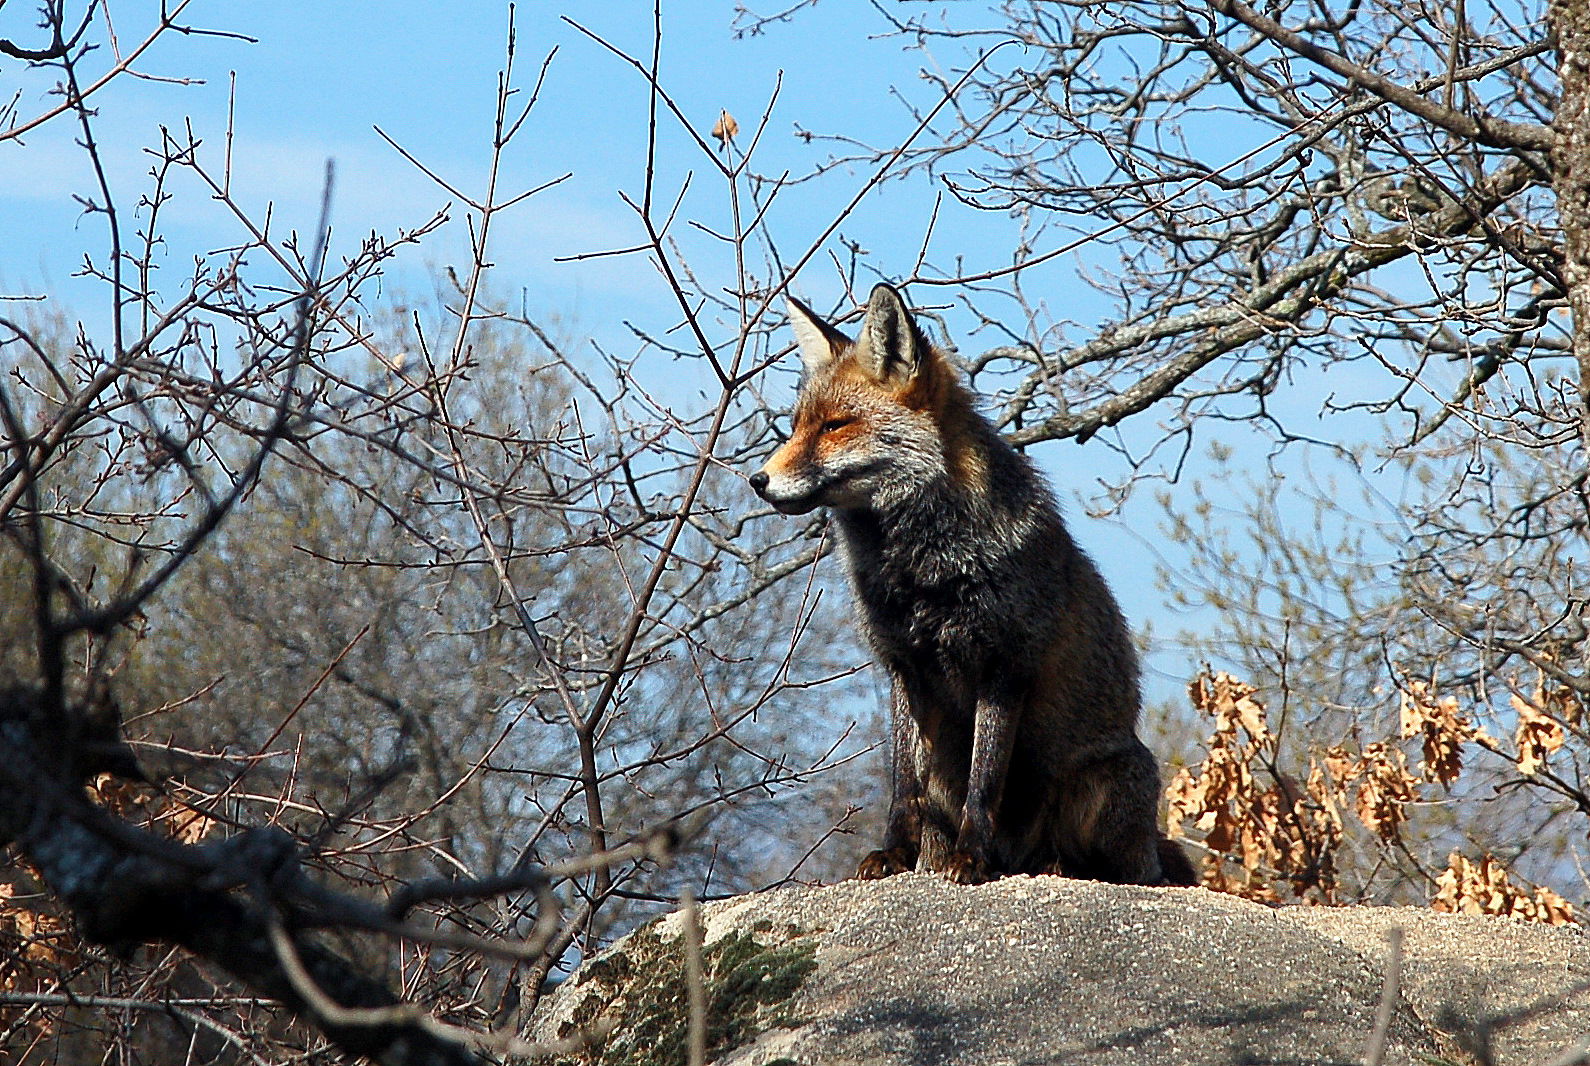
(633, 1003)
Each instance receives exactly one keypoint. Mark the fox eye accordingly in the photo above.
(835, 423)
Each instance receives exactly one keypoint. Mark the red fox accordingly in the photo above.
(1015, 693)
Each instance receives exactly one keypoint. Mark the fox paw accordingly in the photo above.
(965, 869)
(885, 862)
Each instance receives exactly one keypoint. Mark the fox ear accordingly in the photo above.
(819, 342)
(892, 346)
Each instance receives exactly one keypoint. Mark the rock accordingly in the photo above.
(914, 970)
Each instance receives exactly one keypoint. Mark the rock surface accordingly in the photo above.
(914, 970)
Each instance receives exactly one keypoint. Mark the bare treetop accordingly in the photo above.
(1303, 187)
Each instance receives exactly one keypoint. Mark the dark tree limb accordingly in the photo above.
(125, 887)
(1571, 161)
(1283, 301)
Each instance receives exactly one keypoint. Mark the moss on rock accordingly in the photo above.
(637, 995)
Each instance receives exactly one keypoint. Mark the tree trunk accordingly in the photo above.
(1570, 158)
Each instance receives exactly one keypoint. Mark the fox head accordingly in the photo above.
(877, 417)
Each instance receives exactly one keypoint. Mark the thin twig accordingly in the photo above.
(1390, 994)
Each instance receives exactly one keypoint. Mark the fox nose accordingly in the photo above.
(759, 482)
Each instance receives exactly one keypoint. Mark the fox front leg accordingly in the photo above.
(993, 740)
(902, 840)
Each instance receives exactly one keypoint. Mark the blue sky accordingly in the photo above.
(320, 77)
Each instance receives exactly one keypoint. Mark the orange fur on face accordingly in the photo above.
(844, 391)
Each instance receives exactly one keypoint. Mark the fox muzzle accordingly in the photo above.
(796, 504)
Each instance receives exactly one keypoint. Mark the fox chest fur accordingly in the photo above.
(953, 584)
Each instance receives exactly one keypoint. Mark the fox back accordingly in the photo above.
(1015, 682)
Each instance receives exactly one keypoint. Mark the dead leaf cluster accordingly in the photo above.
(1263, 830)
(1540, 730)
(1485, 887)
(152, 809)
(1440, 726)
(1260, 833)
